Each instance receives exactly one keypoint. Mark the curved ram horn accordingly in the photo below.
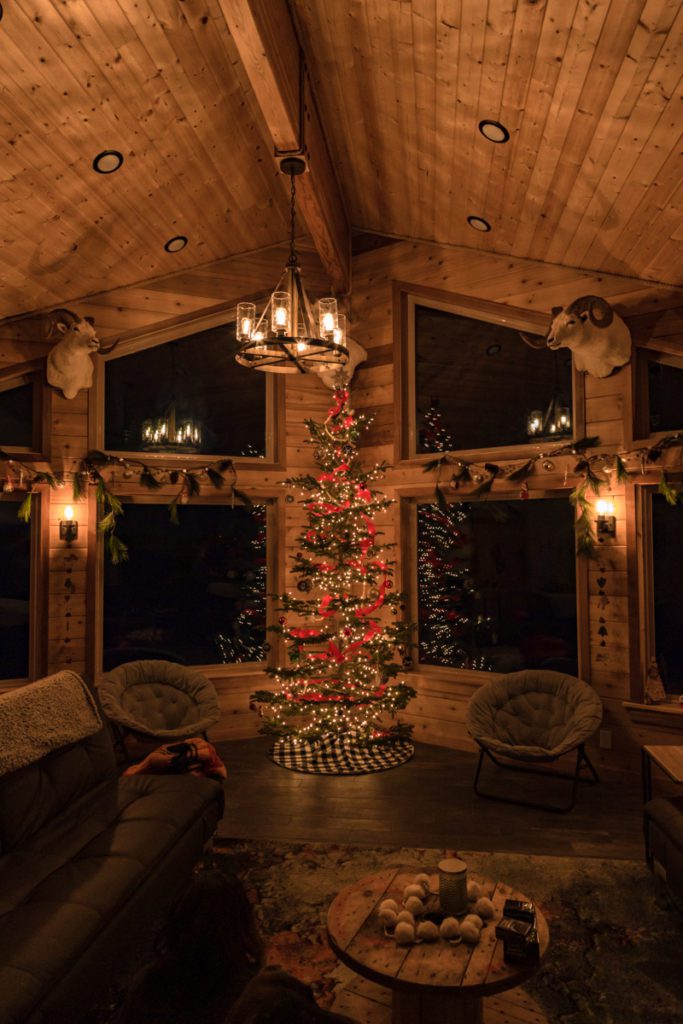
(528, 340)
(110, 348)
(598, 309)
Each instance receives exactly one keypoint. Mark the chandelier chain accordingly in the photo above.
(292, 222)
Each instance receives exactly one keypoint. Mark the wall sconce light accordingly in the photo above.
(68, 527)
(606, 521)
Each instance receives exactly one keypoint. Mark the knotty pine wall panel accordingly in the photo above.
(607, 593)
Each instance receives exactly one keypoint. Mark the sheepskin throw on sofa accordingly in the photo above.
(44, 716)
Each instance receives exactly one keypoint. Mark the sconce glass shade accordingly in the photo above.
(68, 527)
(606, 521)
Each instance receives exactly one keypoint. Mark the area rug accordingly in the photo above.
(340, 755)
(616, 946)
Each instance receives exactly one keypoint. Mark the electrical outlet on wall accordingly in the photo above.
(606, 739)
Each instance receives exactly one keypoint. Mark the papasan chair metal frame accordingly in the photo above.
(157, 699)
(535, 717)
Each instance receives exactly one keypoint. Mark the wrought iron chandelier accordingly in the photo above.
(287, 337)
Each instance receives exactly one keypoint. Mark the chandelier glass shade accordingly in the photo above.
(287, 337)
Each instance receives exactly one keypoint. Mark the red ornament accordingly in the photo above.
(347, 631)
(282, 620)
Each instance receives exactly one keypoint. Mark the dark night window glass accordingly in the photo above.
(478, 384)
(15, 577)
(667, 573)
(497, 585)
(16, 416)
(665, 395)
(193, 380)
(193, 593)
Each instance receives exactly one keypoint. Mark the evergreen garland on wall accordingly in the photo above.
(594, 470)
(20, 476)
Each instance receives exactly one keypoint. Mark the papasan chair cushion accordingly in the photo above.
(159, 698)
(533, 715)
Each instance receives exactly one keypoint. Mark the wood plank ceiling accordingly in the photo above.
(590, 91)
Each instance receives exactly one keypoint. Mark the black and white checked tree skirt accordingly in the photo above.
(340, 755)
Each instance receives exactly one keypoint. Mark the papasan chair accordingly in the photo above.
(533, 717)
(158, 699)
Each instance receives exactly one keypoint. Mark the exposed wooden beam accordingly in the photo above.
(269, 51)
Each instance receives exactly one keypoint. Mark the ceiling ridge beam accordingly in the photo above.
(269, 51)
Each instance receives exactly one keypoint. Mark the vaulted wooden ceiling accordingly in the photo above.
(196, 93)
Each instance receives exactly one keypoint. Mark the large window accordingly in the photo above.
(476, 385)
(660, 386)
(186, 396)
(193, 593)
(496, 585)
(667, 577)
(15, 586)
(17, 423)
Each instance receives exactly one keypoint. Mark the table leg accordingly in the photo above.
(647, 776)
(436, 1008)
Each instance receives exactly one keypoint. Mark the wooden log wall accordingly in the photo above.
(607, 585)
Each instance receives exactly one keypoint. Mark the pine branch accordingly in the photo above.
(669, 493)
(24, 510)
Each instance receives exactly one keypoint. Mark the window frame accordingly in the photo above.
(39, 449)
(38, 590)
(642, 357)
(275, 562)
(405, 298)
(142, 340)
(643, 636)
(410, 498)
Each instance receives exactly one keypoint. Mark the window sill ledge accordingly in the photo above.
(656, 714)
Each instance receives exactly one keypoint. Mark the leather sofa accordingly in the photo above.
(88, 863)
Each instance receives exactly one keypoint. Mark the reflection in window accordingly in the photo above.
(665, 388)
(667, 573)
(187, 395)
(497, 585)
(16, 415)
(15, 581)
(488, 387)
(193, 593)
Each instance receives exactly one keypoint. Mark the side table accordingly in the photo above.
(667, 757)
(430, 982)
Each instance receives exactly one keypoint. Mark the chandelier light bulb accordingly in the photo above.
(280, 309)
(68, 513)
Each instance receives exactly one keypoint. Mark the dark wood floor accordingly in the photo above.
(429, 802)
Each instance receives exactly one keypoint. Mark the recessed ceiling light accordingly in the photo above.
(108, 161)
(478, 223)
(176, 243)
(494, 131)
(493, 350)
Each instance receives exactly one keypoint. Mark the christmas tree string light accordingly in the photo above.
(341, 648)
(449, 624)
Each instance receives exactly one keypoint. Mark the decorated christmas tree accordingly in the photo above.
(344, 633)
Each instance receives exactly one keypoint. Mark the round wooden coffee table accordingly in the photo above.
(430, 982)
